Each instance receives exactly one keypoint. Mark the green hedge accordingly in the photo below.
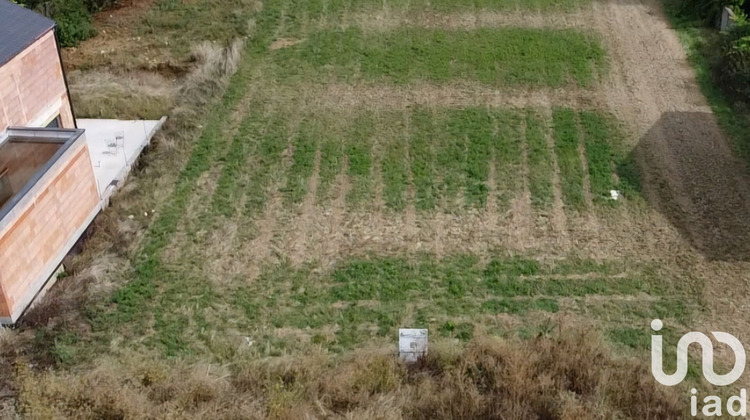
(729, 57)
(732, 70)
(73, 17)
(73, 21)
(707, 11)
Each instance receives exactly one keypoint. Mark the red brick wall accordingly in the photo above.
(32, 87)
(42, 228)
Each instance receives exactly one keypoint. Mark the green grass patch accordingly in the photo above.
(359, 300)
(508, 151)
(541, 5)
(477, 124)
(520, 306)
(305, 146)
(226, 193)
(389, 279)
(337, 7)
(384, 279)
(273, 140)
(568, 158)
(463, 331)
(370, 297)
(508, 286)
(599, 154)
(634, 338)
(450, 155)
(422, 159)
(331, 157)
(359, 151)
(499, 57)
(395, 174)
(540, 162)
(513, 267)
(527, 277)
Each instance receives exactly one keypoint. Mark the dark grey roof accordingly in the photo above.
(19, 28)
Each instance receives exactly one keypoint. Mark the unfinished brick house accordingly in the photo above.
(48, 191)
(56, 172)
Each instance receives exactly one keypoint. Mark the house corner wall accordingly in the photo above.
(41, 231)
(33, 89)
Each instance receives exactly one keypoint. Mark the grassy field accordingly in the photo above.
(447, 155)
(492, 56)
(300, 234)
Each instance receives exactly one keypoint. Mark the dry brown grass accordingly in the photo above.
(392, 19)
(571, 376)
(60, 305)
(283, 43)
(214, 65)
(132, 95)
(461, 94)
(7, 386)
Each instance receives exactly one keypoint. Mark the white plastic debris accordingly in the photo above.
(412, 344)
(614, 195)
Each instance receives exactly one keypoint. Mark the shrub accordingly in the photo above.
(94, 6)
(73, 21)
(73, 17)
(707, 11)
(732, 71)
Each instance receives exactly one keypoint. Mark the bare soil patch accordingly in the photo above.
(558, 218)
(261, 248)
(116, 40)
(391, 19)
(283, 43)
(332, 235)
(336, 224)
(301, 239)
(341, 96)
